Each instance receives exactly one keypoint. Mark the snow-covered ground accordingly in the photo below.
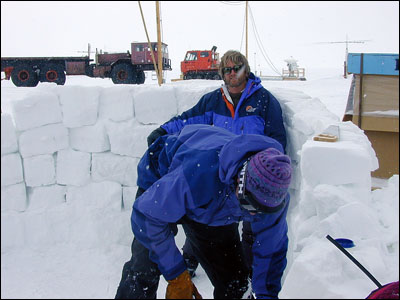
(74, 243)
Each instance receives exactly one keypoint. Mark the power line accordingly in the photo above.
(232, 2)
(259, 43)
(257, 38)
(243, 28)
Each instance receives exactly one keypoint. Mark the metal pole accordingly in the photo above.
(148, 40)
(345, 58)
(159, 52)
(255, 69)
(360, 96)
(247, 30)
(354, 260)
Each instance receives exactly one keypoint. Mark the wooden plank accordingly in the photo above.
(331, 134)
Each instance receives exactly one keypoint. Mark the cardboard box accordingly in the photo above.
(386, 146)
(380, 95)
(379, 109)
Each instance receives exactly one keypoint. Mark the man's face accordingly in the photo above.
(235, 79)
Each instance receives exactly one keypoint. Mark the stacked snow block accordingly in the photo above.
(76, 149)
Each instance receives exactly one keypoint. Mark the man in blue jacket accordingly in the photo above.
(208, 179)
(242, 105)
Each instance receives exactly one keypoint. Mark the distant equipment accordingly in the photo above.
(347, 42)
(293, 72)
(201, 64)
(122, 68)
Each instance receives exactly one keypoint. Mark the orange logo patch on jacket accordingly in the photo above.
(250, 108)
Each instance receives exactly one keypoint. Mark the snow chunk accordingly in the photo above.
(116, 103)
(113, 167)
(43, 140)
(11, 169)
(89, 138)
(39, 170)
(36, 109)
(79, 105)
(73, 167)
(8, 135)
(155, 106)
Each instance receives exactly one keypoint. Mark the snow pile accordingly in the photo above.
(68, 179)
(332, 188)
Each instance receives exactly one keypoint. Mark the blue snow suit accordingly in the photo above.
(193, 174)
(258, 112)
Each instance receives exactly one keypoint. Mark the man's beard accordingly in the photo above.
(239, 78)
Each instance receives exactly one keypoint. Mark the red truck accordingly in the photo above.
(201, 64)
(122, 68)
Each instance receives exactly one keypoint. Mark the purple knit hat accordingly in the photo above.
(268, 177)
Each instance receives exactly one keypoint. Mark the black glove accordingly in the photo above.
(155, 135)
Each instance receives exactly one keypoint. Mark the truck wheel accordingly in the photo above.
(140, 77)
(217, 77)
(123, 74)
(52, 73)
(24, 75)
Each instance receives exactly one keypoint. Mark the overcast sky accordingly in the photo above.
(284, 28)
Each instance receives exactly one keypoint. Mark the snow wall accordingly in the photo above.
(75, 149)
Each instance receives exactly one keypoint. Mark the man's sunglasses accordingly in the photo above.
(247, 201)
(228, 70)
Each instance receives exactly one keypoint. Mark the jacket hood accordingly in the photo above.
(253, 84)
(234, 153)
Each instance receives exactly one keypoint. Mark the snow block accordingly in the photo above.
(128, 197)
(11, 239)
(89, 138)
(116, 103)
(129, 138)
(46, 197)
(79, 105)
(187, 97)
(73, 167)
(336, 163)
(161, 100)
(112, 167)
(96, 195)
(39, 170)
(8, 135)
(13, 197)
(11, 169)
(36, 229)
(43, 140)
(36, 109)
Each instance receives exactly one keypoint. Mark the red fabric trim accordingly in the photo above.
(228, 104)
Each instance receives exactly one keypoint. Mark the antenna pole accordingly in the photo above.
(148, 41)
(159, 52)
(247, 30)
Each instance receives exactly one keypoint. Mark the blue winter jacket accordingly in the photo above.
(192, 174)
(258, 112)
